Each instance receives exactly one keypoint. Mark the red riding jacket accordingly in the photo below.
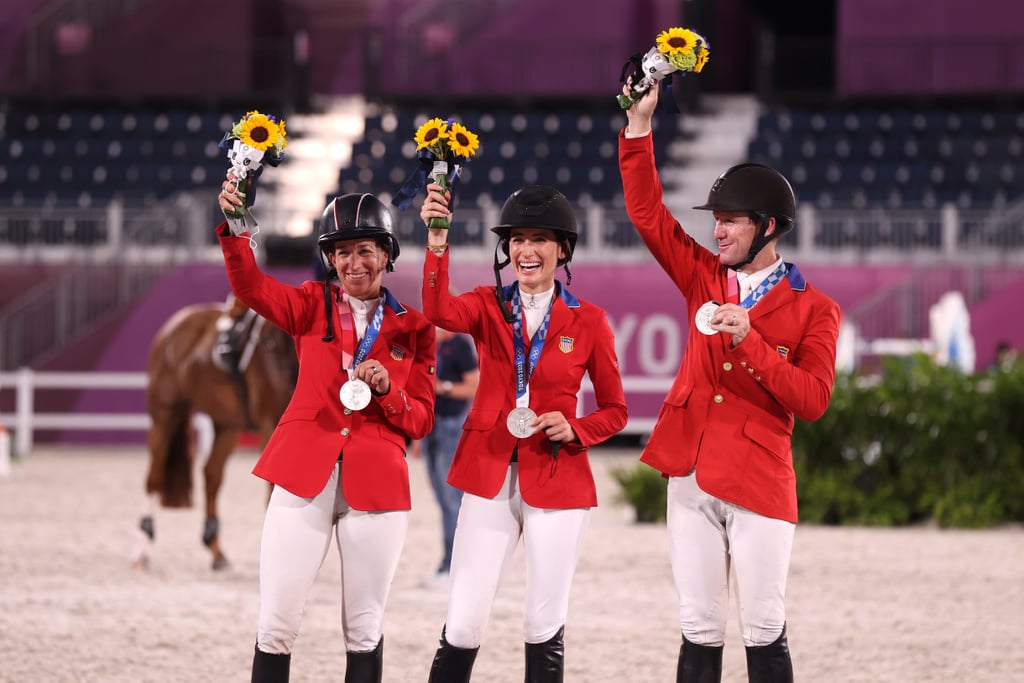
(729, 413)
(315, 428)
(579, 339)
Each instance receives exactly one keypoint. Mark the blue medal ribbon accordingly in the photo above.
(524, 366)
(372, 331)
(774, 278)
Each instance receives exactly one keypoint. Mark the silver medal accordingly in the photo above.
(704, 315)
(518, 422)
(355, 394)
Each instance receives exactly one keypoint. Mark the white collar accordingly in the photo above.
(531, 301)
(758, 276)
(360, 306)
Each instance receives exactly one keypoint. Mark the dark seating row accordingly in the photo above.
(895, 121)
(91, 153)
(573, 148)
(897, 158)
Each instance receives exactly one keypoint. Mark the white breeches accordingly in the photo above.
(296, 536)
(715, 546)
(487, 534)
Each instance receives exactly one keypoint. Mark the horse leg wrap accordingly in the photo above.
(146, 525)
(210, 530)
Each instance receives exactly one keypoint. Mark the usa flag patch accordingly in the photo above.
(783, 351)
(565, 344)
(397, 353)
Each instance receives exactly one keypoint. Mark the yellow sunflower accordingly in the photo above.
(702, 59)
(677, 40)
(431, 134)
(462, 141)
(283, 142)
(259, 132)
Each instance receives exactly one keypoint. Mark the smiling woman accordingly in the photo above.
(337, 456)
(508, 463)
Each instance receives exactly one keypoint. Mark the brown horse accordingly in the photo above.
(186, 376)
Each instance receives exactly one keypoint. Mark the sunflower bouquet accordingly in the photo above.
(675, 49)
(253, 140)
(442, 146)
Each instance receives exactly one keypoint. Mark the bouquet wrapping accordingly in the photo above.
(675, 49)
(441, 149)
(254, 140)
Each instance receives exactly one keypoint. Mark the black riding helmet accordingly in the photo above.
(357, 216)
(760, 191)
(538, 206)
(351, 217)
(535, 206)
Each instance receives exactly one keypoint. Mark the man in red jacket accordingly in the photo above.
(337, 456)
(761, 350)
(522, 459)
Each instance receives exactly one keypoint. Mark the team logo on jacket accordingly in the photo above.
(783, 351)
(397, 353)
(565, 344)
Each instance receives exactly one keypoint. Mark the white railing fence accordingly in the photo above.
(26, 420)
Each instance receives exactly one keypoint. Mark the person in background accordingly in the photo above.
(761, 351)
(522, 458)
(337, 456)
(457, 377)
(1006, 357)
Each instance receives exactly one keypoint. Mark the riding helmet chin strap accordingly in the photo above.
(499, 290)
(328, 310)
(759, 242)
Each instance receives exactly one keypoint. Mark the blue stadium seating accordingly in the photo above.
(894, 157)
(82, 153)
(571, 146)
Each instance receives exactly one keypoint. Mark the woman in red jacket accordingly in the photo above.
(522, 458)
(761, 351)
(337, 456)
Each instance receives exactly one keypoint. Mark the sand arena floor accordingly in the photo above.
(865, 605)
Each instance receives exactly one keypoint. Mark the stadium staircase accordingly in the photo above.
(709, 141)
(291, 197)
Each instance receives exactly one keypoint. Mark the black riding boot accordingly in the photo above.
(770, 663)
(699, 663)
(452, 664)
(365, 667)
(268, 668)
(545, 662)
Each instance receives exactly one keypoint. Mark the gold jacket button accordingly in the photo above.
(344, 432)
(718, 398)
(727, 366)
(347, 411)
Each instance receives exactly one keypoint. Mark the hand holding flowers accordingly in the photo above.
(441, 147)
(254, 139)
(675, 49)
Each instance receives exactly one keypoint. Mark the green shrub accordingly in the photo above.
(645, 490)
(923, 442)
